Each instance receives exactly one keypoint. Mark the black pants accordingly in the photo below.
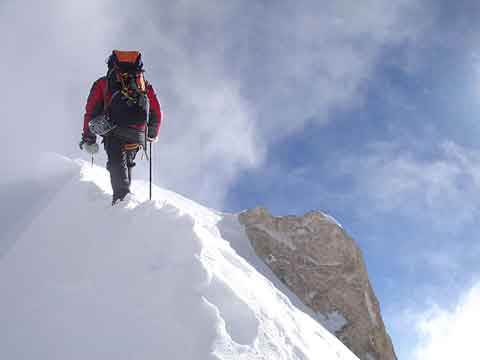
(119, 164)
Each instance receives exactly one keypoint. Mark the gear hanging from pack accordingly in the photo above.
(100, 125)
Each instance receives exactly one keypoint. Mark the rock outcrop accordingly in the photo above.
(323, 266)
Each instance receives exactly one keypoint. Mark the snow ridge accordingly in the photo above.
(141, 280)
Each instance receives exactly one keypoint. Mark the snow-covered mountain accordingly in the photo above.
(161, 279)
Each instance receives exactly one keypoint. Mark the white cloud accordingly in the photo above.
(451, 334)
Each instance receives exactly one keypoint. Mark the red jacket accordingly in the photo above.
(95, 107)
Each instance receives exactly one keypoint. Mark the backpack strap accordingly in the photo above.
(106, 103)
(105, 92)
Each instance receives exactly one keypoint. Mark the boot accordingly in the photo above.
(119, 195)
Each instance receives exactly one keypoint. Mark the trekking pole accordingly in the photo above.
(150, 148)
(150, 162)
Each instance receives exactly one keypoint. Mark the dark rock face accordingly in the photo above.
(323, 266)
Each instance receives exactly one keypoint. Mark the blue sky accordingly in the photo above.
(404, 195)
(366, 111)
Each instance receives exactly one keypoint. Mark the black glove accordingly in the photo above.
(88, 139)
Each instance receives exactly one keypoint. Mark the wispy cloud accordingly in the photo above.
(442, 188)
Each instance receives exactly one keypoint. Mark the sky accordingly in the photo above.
(367, 111)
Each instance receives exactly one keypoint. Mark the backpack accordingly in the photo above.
(129, 103)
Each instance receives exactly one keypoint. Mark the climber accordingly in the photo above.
(122, 108)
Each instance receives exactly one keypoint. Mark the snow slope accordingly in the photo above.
(161, 279)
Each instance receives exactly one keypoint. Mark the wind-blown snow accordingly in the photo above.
(161, 279)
